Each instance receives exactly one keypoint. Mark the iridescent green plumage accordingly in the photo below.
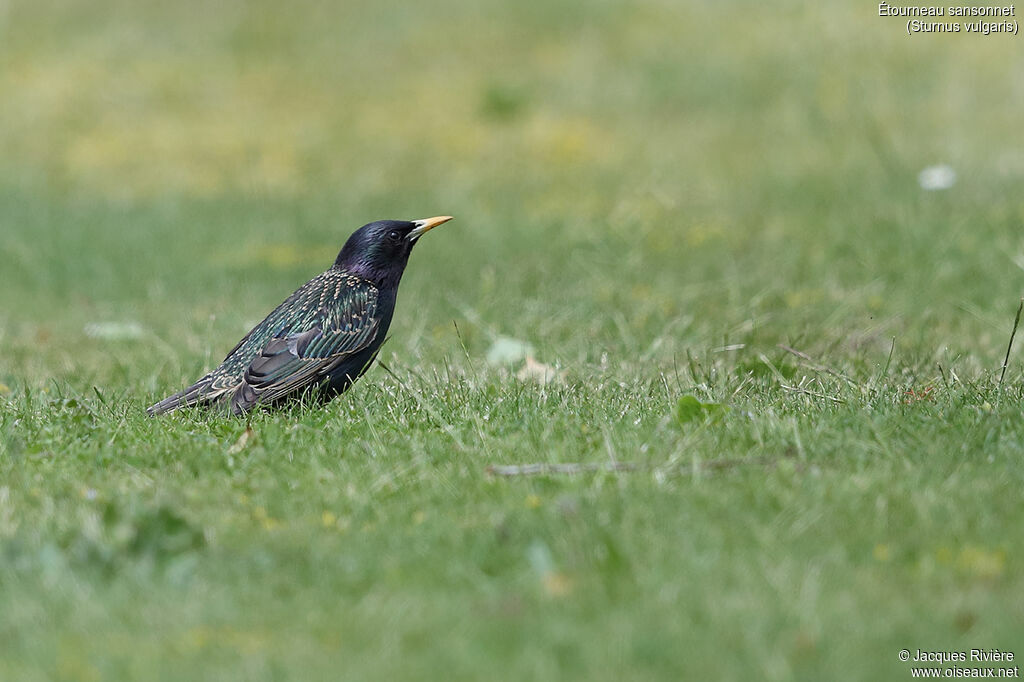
(324, 336)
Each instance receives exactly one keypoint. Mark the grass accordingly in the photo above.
(654, 196)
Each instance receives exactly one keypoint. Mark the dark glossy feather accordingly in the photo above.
(323, 335)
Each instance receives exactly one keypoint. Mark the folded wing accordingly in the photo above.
(304, 358)
(326, 322)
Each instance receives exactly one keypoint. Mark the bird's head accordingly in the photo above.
(379, 251)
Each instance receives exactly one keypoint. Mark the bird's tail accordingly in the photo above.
(195, 394)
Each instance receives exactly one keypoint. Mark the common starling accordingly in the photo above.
(324, 336)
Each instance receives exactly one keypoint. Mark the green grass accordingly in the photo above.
(655, 196)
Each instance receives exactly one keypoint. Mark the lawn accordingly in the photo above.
(774, 357)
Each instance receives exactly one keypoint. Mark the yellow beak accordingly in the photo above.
(426, 225)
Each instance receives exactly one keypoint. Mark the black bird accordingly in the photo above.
(324, 336)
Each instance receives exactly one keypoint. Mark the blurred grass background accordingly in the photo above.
(740, 155)
(635, 185)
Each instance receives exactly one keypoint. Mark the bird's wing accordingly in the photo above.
(329, 318)
(329, 325)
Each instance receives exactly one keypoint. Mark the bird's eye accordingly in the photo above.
(394, 236)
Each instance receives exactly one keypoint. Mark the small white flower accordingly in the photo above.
(114, 331)
(938, 177)
(539, 372)
(508, 351)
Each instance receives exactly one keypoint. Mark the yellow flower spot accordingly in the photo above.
(268, 522)
(980, 562)
(328, 519)
(881, 552)
(419, 517)
(557, 584)
(803, 297)
(532, 502)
